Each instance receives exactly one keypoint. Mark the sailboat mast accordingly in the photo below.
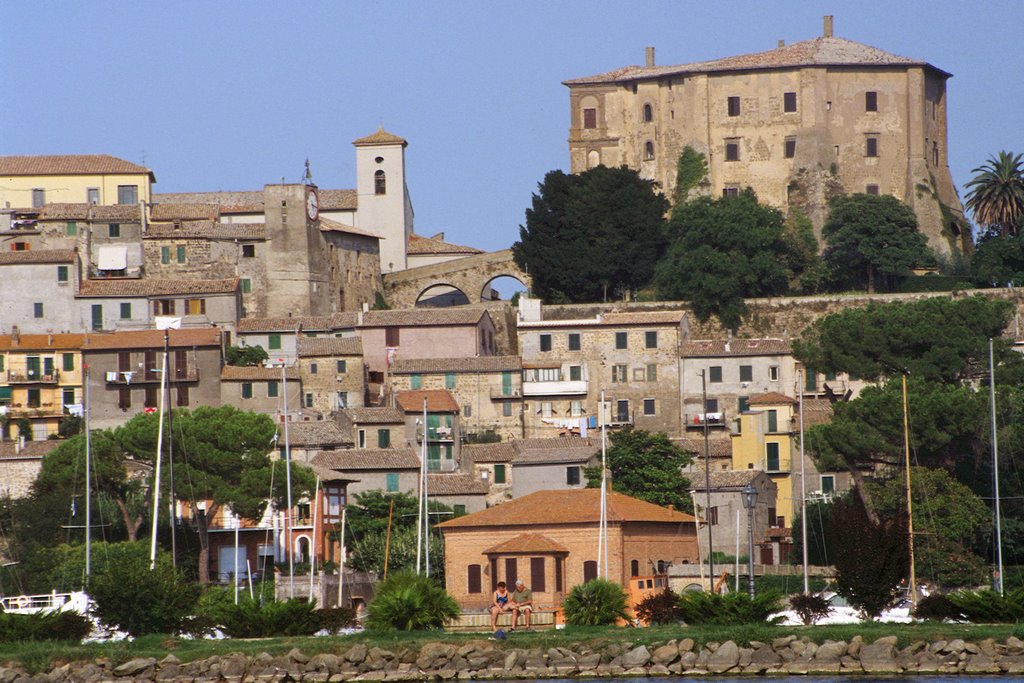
(602, 524)
(312, 551)
(288, 476)
(995, 465)
(910, 507)
(426, 500)
(88, 479)
(803, 484)
(419, 500)
(159, 457)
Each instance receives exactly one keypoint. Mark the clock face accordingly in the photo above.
(312, 205)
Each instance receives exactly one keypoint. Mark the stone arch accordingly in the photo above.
(469, 275)
(302, 548)
(441, 294)
(593, 159)
(487, 285)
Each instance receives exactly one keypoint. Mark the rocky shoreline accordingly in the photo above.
(483, 660)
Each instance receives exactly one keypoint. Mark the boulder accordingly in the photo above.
(685, 645)
(638, 656)
(135, 667)
(666, 654)
(726, 657)
(356, 654)
(880, 656)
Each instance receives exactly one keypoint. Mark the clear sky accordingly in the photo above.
(232, 95)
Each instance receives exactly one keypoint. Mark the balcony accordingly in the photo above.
(18, 410)
(139, 377)
(501, 395)
(555, 388)
(775, 466)
(32, 377)
(698, 420)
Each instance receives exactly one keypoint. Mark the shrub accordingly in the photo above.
(731, 609)
(937, 607)
(67, 626)
(596, 603)
(989, 607)
(410, 602)
(336, 618)
(135, 599)
(245, 355)
(252, 619)
(809, 607)
(660, 608)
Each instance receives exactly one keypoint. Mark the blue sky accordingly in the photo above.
(232, 95)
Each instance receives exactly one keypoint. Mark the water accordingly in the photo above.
(845, 678)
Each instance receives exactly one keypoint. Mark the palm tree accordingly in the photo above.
(996, 193)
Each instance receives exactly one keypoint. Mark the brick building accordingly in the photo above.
(333, 377)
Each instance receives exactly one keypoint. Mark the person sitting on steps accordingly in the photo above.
(499, 604)
(522, 601)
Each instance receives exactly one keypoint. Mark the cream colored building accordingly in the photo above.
(799, 124)
(34, 181)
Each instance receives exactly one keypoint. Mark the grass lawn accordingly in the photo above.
(41, 656)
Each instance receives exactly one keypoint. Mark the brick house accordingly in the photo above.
(443, 429)
(332, 373)
(375, 427)
(392, 470)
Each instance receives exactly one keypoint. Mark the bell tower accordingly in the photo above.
(384, 207)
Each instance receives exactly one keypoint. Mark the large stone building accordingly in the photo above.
(799, 124)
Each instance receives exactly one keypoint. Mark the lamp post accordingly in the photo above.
(749, 494)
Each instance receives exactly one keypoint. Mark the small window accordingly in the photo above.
(648, 113)
(458, 510)
(71, 228)
(634, 568)
(621, 340)
(619, 373)
(639, 374)
(574, 341)
(467, 410)
(113, 229)
(391, 482)
(126, 311)
(575, 408)
(772, 463)
(732, 150)
(773, 373)
(62, 273)
(246, 389)
(537, 577)
(935, 153)
(590, 118)
(506, 408)
(67, 397)
(127, 194)
(38, 198)
(651, 339)
(473, 579)
(828, 483)
(648, 150)
(165, 255)
(743, 404)
(383, 438)
(92, 195)
(649, 407)
(572, 476)
(449, 380)
(715, 373)
(789, 102)
(360, 438)
(652, 372)
(499, 474)
(773, 420)
(733, 105)
(790, 148)
(871, 189)
(37, 309)
(713, 515)
(341, 367)
(416, 381)
(272, 389)
(746, 373)
(309, 400)
(545, 342)
(181, 253)
(575, 373)
(871, 147)
(380, 183)
(68, 362)
(731, 191)
(195, 306)
(392, 336)
(248, 250)
(589, 570)
(274, 341)
(20, 246)
(871, 101)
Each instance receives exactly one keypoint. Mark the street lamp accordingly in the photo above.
(749, 494)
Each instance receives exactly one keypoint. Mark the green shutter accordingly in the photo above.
(246, 389)
(165, 255)
(32, 363)
(68, 397)
(181, 253)
(272, 389)
(383, 438)
(5, 394)
(97, 316)
(499, 474)
(2, 363)
(449, 380)
(773, 421)
(392, 481)
(772, 459)
(126, 311)
(62, 273)
(69, 361)
(246, 285)
(416, 381)
(72, 228)
(48, 366)
(811, 381)
(506, 384)
(274, 342)
(744, 404)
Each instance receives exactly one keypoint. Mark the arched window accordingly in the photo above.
(634, 568)
(648, 150)
(648, 113)
(593, 159)
(380, 183)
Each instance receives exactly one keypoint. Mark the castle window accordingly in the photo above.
(380, 181)
(790, 148)
(733, 104)
(648, 150)
(732, 149)
(648, 113)
(590, 118)
(730, 191)
(871, 101)
(935, 153)
(871, 146)
(789, 102)
(871, 189)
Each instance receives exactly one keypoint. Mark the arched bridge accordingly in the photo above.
(471, 275)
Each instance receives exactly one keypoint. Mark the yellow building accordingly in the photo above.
(40, 377)
(34, 181)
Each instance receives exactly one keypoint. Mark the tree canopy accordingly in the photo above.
(996, 194)
(589, 235)
(867, 236)
(646, 466)
(998, 260)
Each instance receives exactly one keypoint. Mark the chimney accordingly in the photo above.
(15, 336)
(828, 26)
(781, 43)
(649, 55)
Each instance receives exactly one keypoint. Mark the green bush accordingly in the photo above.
(65, 626)
(597, 602)
(809, 607)
(937, 607)
(336, 618)
(245, 355)
(138, 600)
(410, 602)
(660, 608)
(252, 619)
(731, 609)
(989, 607)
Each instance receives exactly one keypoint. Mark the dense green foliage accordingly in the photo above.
(873, 237)
(646, 466)
(989, 607)
(691, 172)
(937, 607)
(595, 603)
(700, 607)
(245, 355)
(996, 194)
(367, 532)
(410, 602)
(810, 607)
(591, 235)
(659, 608)
(69, 626)
(266, 618)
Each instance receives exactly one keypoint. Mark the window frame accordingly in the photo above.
(746, 373)
(871, 100)
(732, 149)
(871, 146)
(650, 407)
(573, 341)
(789, 150)
(651, 339)
(621, 340)
(789, 102)
(733, 106)
(714, 374)
(545, 342)
(589, 115)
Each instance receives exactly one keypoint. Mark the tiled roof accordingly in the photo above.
(555, 450)
(527, 543)
(207, 230)
(69, 164)
(725, 479)
(822, 51)
(152, 339)
(438, 401)
(432, 245)
(314, 433)
(717, 447)
(405, 366)
(643, 318)
(326, 474)
(419, 317)
(116, 213)
(32, 449)
(10, 258)
(314, 323)
(382, 416)
(503, 451)
(327, 225)
(246, 201)
(155, 287)
(574, 506)
(715, 348)
(167, 211)
(368, 459)
(381, 137)
(817, 411)
(61, 211)
(255, 373)
(330, 346)
(456, 484)
(41, 342)
(770, 398)
(338, 200)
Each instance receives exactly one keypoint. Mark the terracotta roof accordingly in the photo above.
(438, 401)
(432, 245)
(555, 450)
(313, 433)
(715, 348)
(40, 342)
(115, 213)
(725, 479)
(13, 258)
(155, 287)
(328, 474)
(32, 449)
(771, 398)
(456, 484)
(330, 346)
(368, 459)
(489, 452)
(207, 230)
(817, 411)
(69, 164)
(246, 201)
(405, 366)
(152, 339)
(65, 211)
(643, 318)
(255, 373)
(419, 317)
(822, 51)
(327, 225)
(717, 447)
(315, 323)
(381, 137)
(382, 416)
(574, 506)
(168, 211)
(338, 200)
(526, 543)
